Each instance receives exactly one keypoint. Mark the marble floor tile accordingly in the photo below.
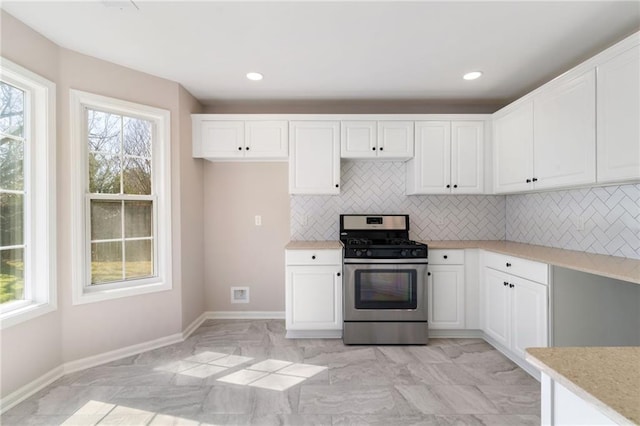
(306, 381)
(346, 400)
(243, 377)
(514, 399)
(464, 399)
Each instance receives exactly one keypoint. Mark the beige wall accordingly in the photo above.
(32, 348)
(73, 332)
(191, 216)
(238, 253)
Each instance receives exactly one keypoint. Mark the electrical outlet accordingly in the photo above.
(258, 220)
(239, 294)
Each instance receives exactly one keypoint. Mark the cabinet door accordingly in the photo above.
(358, 139)
(496, 306)
(528, 315)
(267, 139)
(429, 171)
(619, 118)
(222, 139)
(445, 296)
(314, 157)
(395, 139)
(467, 159)
(314, 298)
(564, 146)
(513, 149)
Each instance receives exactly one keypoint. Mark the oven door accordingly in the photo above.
(385, 292)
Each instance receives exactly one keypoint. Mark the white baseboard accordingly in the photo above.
(314, 334)
(456, 334)
(513, 357)
(245, 314)
(16, 397)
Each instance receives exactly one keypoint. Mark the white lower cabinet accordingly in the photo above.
(313, 292)
(445, 289)
(515, 309)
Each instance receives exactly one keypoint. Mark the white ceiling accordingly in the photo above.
(382, 50)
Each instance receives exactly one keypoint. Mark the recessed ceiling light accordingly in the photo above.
(472, 75)
(255, 76)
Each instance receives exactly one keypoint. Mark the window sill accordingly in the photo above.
(84, 297)
(25, 313)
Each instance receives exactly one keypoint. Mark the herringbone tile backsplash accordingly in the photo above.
(610, 216)
(378, 188)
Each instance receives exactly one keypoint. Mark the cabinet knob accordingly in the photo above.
(381, 148)
(429, 274)
(511, 286)
(239, 148)
(528, 180)
(534, 179)
(508, 265)
(445, 256)
(247, 148)
(448, 186)
(373, 149)
(338, 274)
(455, 186)
(505, 283)
(313, 257)
(337, 186)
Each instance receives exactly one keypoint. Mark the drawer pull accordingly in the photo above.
(313, 257)
(505, 283)
(508, 265)
(511, 286)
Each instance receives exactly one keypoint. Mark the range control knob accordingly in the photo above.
(369, 253)
(414, 253)
(358, 253)
(404, 253)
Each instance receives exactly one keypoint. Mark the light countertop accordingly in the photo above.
(313, 245)
(608, 266)
(606, 377)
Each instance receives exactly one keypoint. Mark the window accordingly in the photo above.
(122, 198)
(27, 194)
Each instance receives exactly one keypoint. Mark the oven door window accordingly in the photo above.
(386, 289)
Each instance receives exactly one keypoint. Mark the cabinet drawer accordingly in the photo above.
(446, 257)
(534, 271)
(313, 257)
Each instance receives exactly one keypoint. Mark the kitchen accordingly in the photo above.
(249, 189)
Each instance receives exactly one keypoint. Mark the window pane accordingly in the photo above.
(104, 174)
(136, 176)
(11, 164)
(11, 275)
(11, 220)
(137, 137)
(106, 262)
(11, 110)
(106, 220)
(104, 132)
(139, 259)
(138, 219)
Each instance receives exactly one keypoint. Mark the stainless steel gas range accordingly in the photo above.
(385, 281)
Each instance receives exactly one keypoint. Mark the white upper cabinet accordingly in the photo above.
(239, 139)
(467, 159)
(395, 139)
(513, 149)
(359, 139)
(377, 139)
(564, 129)
(618, 115)
(266, 139)
(448, 158)
(314, 157)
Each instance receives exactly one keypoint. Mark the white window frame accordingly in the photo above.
(40, 196)
(83, 292)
